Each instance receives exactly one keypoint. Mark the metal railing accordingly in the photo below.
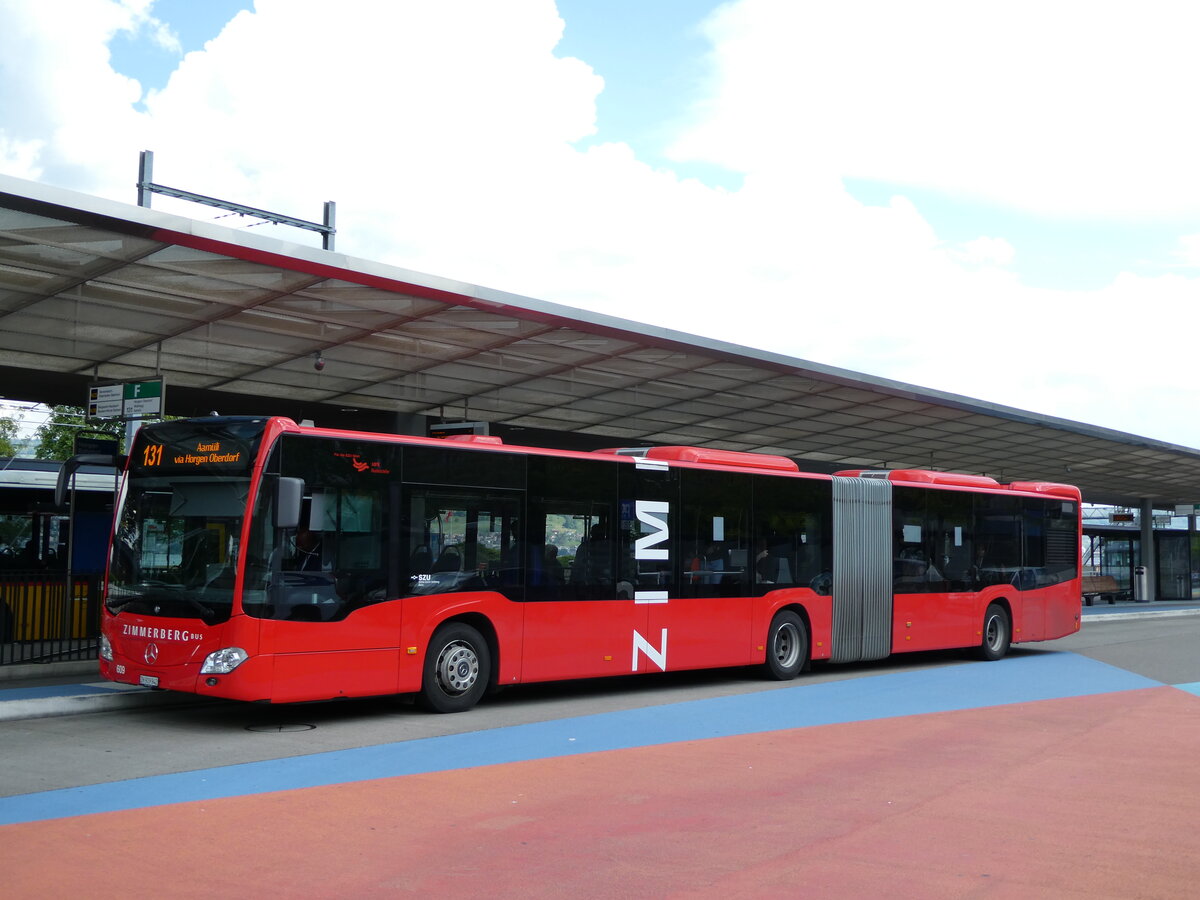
(38, 623)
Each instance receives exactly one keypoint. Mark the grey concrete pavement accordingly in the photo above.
(72, 688)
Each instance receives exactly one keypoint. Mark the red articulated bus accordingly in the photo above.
(259, 560)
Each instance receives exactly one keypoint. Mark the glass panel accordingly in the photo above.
(181, 512)
(950, 524)
(912, 549)
(459, 541)
(997, 539)
(793, 534)
(1194, 576)
(647, 543)
(572, 514)
(1110, 555)
(176, 546)
(1174, 574)
(336, 560)
(17, 547)
(714, 535)
(455, 465)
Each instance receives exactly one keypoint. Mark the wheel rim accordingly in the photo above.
(994, 635)
(457, 667)
(787, 645)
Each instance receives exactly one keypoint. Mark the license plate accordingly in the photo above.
(148, 680)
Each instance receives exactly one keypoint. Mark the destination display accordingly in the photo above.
(227, 450)
(205, 454)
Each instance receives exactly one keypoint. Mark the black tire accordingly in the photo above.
(787, 646)
(458, 667)
(997, 634)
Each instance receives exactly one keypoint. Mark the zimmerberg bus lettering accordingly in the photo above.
(652, 513)
(158, 634)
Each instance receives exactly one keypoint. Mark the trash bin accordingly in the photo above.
(1141, 587)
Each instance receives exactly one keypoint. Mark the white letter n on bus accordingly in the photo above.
(656, 655)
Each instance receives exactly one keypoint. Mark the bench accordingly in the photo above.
(1103, 587)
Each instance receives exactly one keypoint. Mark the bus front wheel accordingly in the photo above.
(997, 633)
(787, 646)
(457, 667)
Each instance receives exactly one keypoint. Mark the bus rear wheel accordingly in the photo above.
(458, 665)
(787, 646)
(997, 634)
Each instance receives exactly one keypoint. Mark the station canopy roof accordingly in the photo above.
(94, 290)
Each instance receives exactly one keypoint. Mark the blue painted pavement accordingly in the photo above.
(64, 690)
(1020, 678)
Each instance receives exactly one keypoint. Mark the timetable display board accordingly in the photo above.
(128, 400)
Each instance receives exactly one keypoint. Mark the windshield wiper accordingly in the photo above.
(197, 605)
(171, 594)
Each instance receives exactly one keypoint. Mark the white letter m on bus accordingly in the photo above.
(648, 512)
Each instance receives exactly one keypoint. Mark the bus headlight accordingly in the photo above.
(224, 661)
(105, 648)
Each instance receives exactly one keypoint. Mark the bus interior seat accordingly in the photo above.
(448, 560)
(421, 560)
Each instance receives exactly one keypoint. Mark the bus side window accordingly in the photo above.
(997, 522)
(557, 549)
(951, 540)
(715, 535)
(570, 551)
(793, 534)
(459, 540)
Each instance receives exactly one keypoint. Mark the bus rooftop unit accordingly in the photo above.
(257, 560)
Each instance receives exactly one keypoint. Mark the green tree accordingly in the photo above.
(8, 436)
(56, 436)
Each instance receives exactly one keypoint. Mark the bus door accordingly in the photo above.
(710, 620)
(1033, 571)
(320, 585)
(459, 541)
(580, 615)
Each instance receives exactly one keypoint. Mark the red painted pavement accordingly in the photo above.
(1084, 797)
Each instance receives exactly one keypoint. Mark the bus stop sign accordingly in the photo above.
(131, 400)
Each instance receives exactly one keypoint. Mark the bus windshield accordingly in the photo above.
(175, 548)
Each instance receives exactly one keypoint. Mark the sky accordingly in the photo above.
(996, 199)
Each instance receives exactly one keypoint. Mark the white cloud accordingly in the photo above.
(1059, 106)
(1188, 250)
(62, 101)
(987, 250)
(446, 133)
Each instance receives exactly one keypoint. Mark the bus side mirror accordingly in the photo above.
(290, 499)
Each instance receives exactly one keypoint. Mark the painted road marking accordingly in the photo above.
(68, 690)
(1021, 678)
